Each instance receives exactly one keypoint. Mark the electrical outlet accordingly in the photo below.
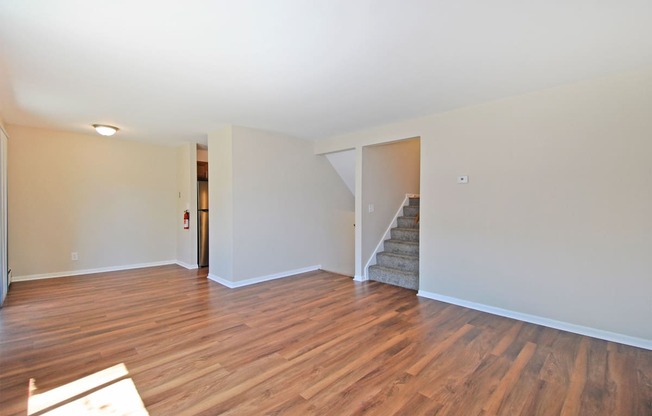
(371, 208)
(74, 256)
(462, 179)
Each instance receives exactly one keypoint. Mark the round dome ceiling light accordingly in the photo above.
(105, 130)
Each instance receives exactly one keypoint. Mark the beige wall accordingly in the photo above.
(555, 221)
(389, 171)
(187, 199)
(4, 267)
(290, 210)
(220, 203)
(291, 207)
(344, 164)
(112, 201)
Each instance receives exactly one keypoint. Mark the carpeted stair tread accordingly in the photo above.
(402, 247)
(407, 234)
(408, 280)
(397, 271)
(407, 222)
(410, 210)
(404, 262)
(393, 240)
(403, 256)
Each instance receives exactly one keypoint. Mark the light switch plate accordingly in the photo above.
(462, 179)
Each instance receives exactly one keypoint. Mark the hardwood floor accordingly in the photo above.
(316, 343)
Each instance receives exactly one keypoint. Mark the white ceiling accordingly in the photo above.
(170, 71)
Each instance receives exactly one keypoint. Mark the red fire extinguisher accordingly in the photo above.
(186, 219)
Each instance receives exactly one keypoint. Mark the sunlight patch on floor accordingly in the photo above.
(106, 392)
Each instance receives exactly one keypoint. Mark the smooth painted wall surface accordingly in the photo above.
(291, 209)
(344, 164)
(187, 200)
(389, 171)
(220, 203)
(275, 207)
(4, 261)
(555, 220)
(112, 201)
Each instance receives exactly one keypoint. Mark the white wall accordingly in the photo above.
(389, 171)
(289, 208)
(344, 164)
(555, 221)
(112, 201)
(187, 199)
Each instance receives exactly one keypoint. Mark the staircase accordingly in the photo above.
(399, 264)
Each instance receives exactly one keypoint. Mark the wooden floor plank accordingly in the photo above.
(439, 349)
(572, 402)
(509, 380)
(311, 344)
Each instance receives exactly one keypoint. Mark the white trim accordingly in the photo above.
(220, 280)
(247, 282)
(539, 320)
(359, 278)
(187, 265)
(359, 269)
(91, 271)
(388, 232)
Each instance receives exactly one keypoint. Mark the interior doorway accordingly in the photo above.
(389, 217)
(202, 206)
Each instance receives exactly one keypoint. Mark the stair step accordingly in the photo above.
(414, 201)
(405, 234)
(408, 280)
(401, 247)
(410, 210)
(402, 262)
(407, 222)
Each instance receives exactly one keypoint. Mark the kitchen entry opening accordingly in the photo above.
(202, 223)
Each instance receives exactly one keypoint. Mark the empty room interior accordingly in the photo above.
(214, 208)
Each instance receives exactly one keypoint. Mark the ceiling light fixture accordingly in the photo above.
(105, 130)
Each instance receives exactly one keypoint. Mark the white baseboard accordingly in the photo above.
(187, 265)
(359, 278)
(220, 280)
(534, 319)
(91, 271)
(232, 285)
